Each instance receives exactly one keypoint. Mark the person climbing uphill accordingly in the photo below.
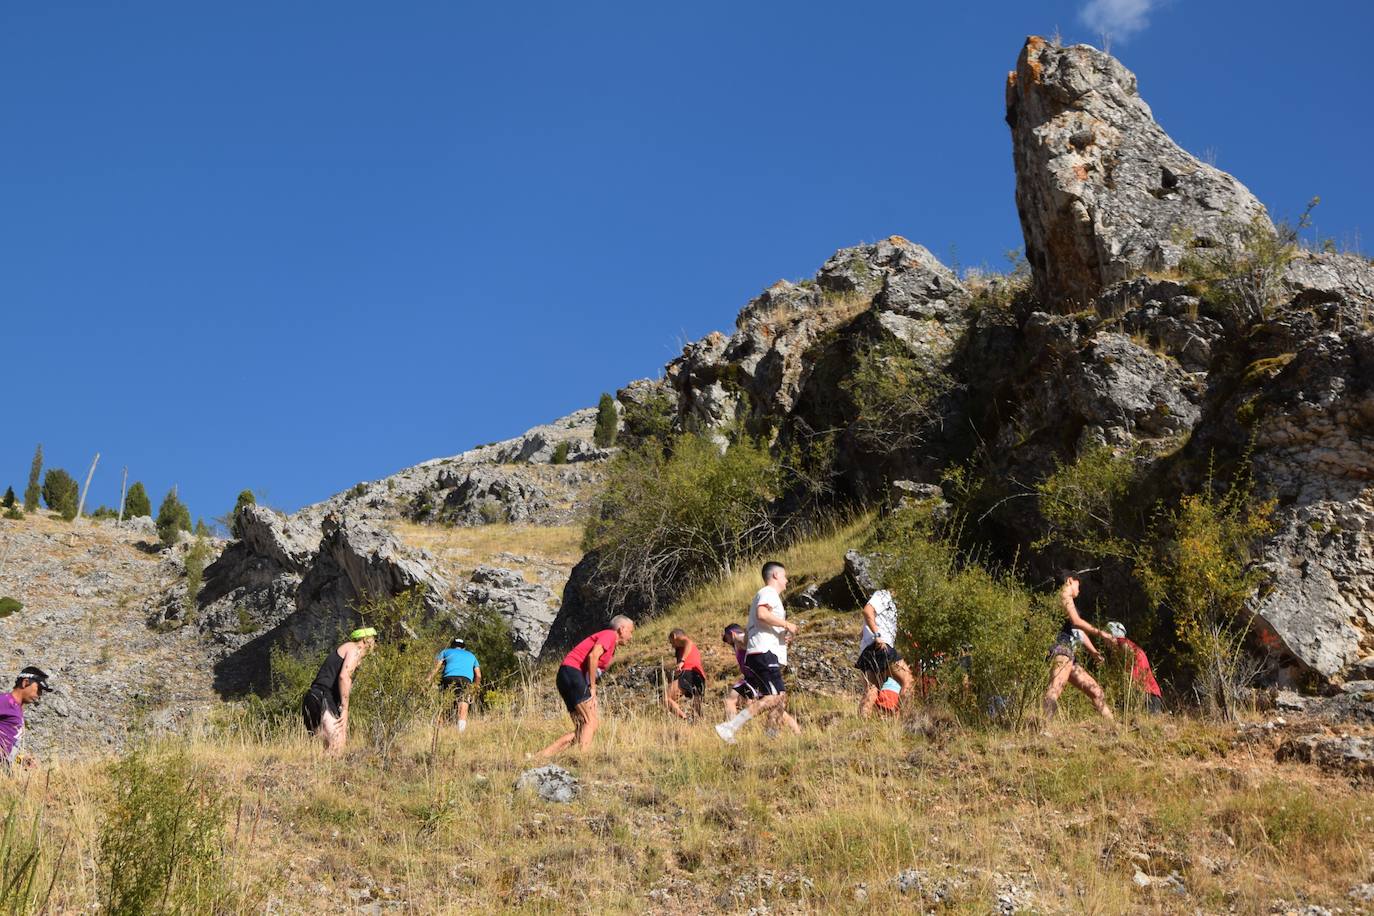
(325, 705)
(1064, 667)
(29, 687)
(769, 630)
(576, 681)
(462, 676)
(1141, 673)
(879, 659)
(688, 680)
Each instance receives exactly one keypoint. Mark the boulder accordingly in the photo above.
(487, 494)
(551, 783)
(1348, 755)
(1102, 191)
(526, 607)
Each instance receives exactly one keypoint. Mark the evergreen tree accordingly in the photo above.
(606, 422)
(246, 498)
(35, 469)
(9, 498)
(60, 492)
(136, 502)
(172, 517)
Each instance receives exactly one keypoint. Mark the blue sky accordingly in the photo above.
(292, 246)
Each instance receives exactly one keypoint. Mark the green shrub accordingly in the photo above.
(172, 517)
(104, 512)
(1082, 502)
(1287, 820)
(1247, 279)
(10, 606)
(136, 502)
(672, 518)
(9, 499)
(560, 452)
(649, 418)
(60, 493)
(1197, 564)
(488, 637)
(32, 491)
(246, 498)
(14, 512)
(391, 688)
(953, 608)
(894, 397)
(161, 839)
(607, 421)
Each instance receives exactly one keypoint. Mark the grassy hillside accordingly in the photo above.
(849, 817)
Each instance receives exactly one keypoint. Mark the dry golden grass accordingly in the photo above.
(462, 549)
(672, 821)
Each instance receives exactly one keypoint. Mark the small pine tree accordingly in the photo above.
(606, 422)
(136, 503)
(172, 518)
(31, 492)
(9, 498)
(60, 492)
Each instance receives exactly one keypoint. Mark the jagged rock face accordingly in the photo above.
(487, 494)
(1102, 191)
(528, 608)
(758, 373)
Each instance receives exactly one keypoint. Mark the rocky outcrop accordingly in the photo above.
(528, 608)
(484, 494)
(1102, 191)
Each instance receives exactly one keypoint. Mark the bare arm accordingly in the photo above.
(350, 665)
(592, 658)
(477, 675)
(1075, 620)
(767, 617)
(871, 621)
(438, 663)
(1092, 650)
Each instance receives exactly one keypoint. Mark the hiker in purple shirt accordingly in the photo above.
(31, 684)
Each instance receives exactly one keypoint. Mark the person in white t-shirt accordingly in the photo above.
(878, 655)
(767, 635)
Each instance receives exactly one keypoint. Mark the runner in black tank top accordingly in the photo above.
(1064, 667)
(324, 708)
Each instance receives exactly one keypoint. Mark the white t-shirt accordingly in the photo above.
(885, 614)
(762, 637)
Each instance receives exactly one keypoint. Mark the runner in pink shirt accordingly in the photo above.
(577, 682)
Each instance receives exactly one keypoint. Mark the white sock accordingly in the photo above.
(462, 724)
(744, 715)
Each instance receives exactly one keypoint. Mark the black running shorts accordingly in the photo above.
(765, 674)
(461, 687)
(572, 687)
(692, 684)
(745, 689)
(877, 661)
(316, 702)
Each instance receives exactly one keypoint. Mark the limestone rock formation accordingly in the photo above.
(1102, 191)
(528, 608)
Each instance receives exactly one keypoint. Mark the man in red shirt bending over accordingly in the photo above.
(1141, 673)
(577, 682)
(688, 681)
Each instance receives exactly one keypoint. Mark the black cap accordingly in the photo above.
(38, 675)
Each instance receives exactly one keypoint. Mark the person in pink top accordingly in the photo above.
(577, 682)
(29, 686)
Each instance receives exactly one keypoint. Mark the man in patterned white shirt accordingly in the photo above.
(878, 655)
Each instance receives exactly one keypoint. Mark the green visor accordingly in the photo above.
(363, 633)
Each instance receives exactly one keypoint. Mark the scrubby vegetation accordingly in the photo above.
(607, 422)
(32, 491)
(895, 396)
(136, 502)
(172, 518)
(60, 493)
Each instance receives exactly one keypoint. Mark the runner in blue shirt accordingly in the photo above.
(462, 675)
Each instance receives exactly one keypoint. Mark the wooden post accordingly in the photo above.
(86, 489)
(123, 493)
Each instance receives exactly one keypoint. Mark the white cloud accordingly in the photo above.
(1117, 19)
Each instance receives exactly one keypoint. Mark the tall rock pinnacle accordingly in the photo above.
(1101, 189)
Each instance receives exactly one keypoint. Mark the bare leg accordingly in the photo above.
(1084, 682)
(591, 719)
(566, 741)
(1060, 669)
(462, 716)
(731, 704)
(670, 698)
(334, 731)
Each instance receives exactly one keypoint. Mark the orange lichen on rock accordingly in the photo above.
(1080, 171)
(899, 240)
(1034, 45)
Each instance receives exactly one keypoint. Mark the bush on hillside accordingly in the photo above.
(488, 637)
(649, 418)
(988, 632)
(60, 493)
(1197, 564)
(670, 518)
(9, 499)
(10, 606)
(392, 689)
(196, 558)
(32, 491)
(560, 452)
(607, 421)
(894, 397)
(172, 518)
(246, 498)
(136, 502)
(103, 512)
(1083, 503)
(161, 839)
(14, 512)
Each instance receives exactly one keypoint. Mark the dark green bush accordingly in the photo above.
(670, 518)
(607, 422)
(32, 491)
(649, 418)
(172, 517)
(104, 512)
(14, 512)
(894, 394)
(246, 498)
(489, 638)
(392, 690)
(161, 839)
(60, 492)
(560, 452)
(9, 606)
(136, 502)
(9, 499)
